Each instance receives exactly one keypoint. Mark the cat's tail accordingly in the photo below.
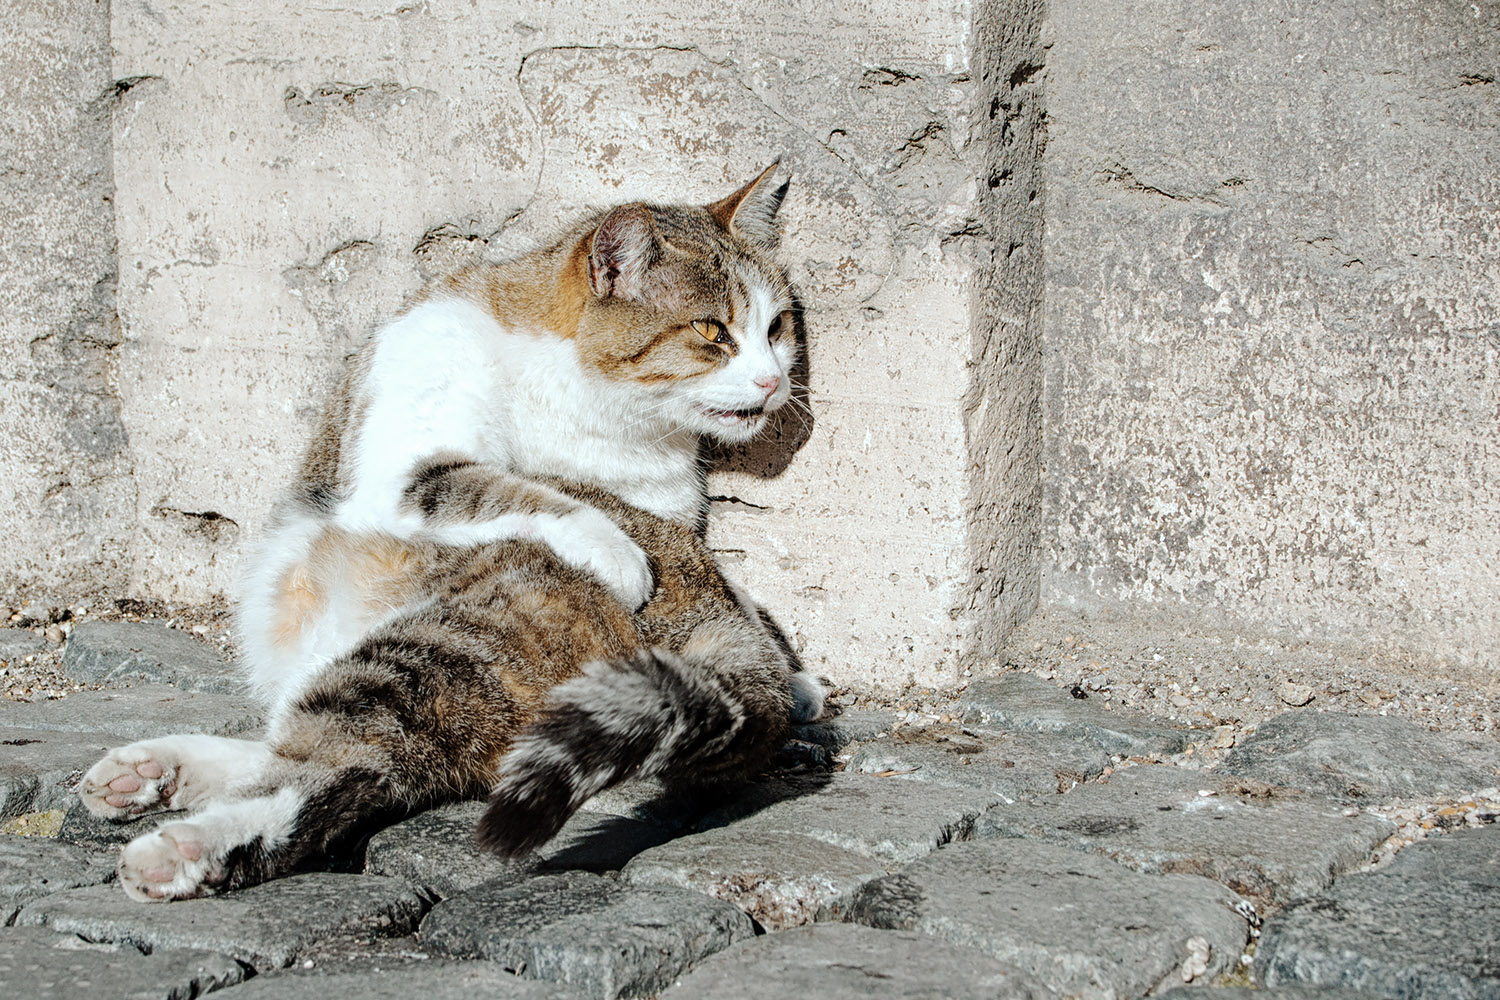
(693, 718)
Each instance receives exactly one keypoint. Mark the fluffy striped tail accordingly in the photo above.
(655, 714)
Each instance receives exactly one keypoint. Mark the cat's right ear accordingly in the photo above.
(750, 213)
(621, 251)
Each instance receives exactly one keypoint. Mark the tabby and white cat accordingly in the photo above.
(490, 567)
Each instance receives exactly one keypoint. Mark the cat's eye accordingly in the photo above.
(781, 326)
(712, 330)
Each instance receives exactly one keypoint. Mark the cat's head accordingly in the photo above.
(688, 304)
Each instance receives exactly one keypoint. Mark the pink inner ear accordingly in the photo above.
(623, 248)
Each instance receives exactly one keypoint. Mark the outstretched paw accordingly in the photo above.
(172, 863)
(128, 782)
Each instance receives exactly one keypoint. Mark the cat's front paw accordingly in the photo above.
(592, 542)
(172, 863)
(129, 781)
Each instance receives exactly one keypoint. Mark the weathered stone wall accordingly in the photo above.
(1153, 305)
(69, 506)
(288, 175)
(1273, 317)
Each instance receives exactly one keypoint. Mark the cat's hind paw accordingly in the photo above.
(808, 695)
(175, 862)
(128, 782)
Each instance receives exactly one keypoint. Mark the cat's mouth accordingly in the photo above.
(730, 418)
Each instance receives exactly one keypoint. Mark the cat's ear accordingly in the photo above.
(750, 213)
(621, 252)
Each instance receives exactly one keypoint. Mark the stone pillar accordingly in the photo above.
(69, 505)
(1002, 409)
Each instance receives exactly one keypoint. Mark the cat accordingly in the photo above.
(448, 596)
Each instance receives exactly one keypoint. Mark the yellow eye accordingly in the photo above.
(712, 330)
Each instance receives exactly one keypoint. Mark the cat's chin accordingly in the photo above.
(730, 426)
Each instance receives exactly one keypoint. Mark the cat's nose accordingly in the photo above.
(769, 383)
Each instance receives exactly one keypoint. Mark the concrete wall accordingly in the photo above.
(287, 175)
(1155, 306)
(1273, 318)
(69, 506)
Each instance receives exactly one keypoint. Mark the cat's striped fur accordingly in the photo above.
(453, 598)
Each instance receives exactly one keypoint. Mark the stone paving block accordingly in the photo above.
(433, 979)
(1014, 766)
(265, 926)
(1426, 925)
(1024, 702)
(40, 768)
(33, 867)
(110, 652)
(1269, 844)
(81, 827)
(38, 964)
(850, 726)
(886, 818)
(435, 851)
(850, 962)
(594, 934)
(598, 842)
(1364, 757)
(140, 712)
(1082, 924)
(17, 644)
(649, 801)
(781, 880)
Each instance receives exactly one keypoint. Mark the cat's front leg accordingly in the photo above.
(474, 503)
(170, 772)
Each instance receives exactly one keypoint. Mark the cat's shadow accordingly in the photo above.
(768, 454)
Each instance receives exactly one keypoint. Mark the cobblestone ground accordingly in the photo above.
(1030, 840)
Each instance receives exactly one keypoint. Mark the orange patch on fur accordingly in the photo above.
(380, 572)
(297, 601)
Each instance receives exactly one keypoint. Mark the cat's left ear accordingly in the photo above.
(750, 213)
(622, 250)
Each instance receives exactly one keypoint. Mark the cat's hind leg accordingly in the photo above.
(190, 857)
(415, 715)
(170, 772)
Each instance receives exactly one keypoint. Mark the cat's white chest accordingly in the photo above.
(447, 377)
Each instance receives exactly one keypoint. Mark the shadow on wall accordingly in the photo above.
(768, 454)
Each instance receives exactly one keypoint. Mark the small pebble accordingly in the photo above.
(1196, 964)
(1294, 694)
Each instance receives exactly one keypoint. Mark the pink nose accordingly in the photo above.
(769, 383)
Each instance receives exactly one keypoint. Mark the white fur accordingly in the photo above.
(448, 377)
(182, 859)
(279, 673)
(195, 768)
(807, 697)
